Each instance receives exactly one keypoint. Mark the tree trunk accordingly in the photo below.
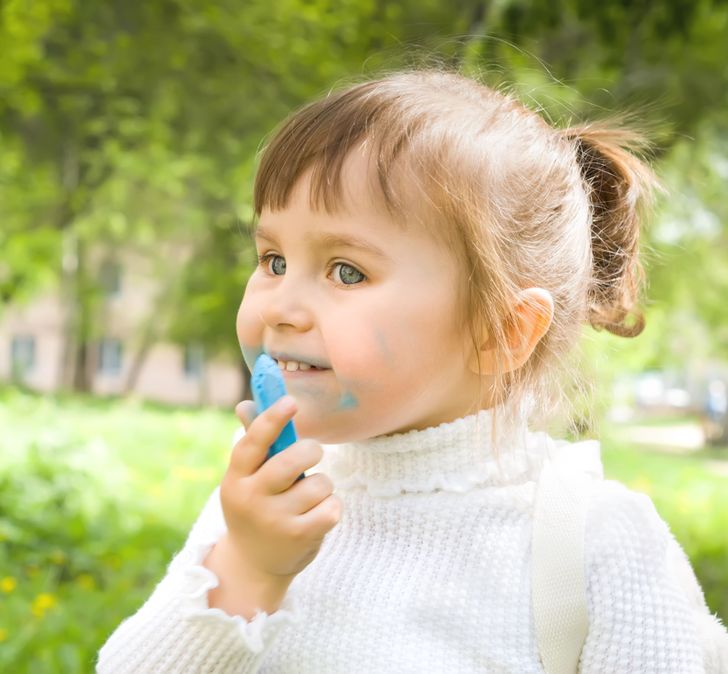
(82, 324)
(139, 358)
(154, 326)
(476, 30)
(68, 352)
(150, 335)
(77, 293)
(74, 368)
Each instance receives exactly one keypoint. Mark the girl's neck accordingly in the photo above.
(454, 456)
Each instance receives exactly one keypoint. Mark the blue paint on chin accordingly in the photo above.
(348, 401)
(250, 355)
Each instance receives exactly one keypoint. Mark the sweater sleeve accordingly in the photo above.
(176, 630)
(646, 610)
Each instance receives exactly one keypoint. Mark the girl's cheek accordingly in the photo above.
(357, 350)
(248, 321)
(384, 347)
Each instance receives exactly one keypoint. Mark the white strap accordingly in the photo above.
(558, 581)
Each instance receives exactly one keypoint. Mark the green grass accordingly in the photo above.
(95, 498)
(690, 497)
(97, 495)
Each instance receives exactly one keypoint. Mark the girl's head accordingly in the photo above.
(435, 246)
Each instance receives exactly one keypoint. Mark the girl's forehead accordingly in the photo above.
(359, 211)
(357, 206)
(355, 186)
(358, 187)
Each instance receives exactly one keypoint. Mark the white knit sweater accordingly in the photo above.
(429, 570)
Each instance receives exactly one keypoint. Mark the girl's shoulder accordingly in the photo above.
(629, 546)
(616, 511)
(637, 570)
(621, 525)
(627, 542)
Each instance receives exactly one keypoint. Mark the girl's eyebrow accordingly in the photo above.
(331, 240)
(262, 233)
(349, 241)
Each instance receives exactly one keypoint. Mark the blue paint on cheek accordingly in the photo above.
(250, 355)
(383, 346)
(348, 401)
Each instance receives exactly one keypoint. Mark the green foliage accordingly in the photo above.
(95, 498)
(138, 123)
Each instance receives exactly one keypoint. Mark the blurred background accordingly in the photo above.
(128, 135)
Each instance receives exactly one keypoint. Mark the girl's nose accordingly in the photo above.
(288, 307)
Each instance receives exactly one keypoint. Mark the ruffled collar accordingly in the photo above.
(454, 456)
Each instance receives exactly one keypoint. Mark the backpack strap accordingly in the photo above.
(558, 569)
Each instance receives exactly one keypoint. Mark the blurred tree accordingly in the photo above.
(142, 119)
(660, 57)
(137, 123)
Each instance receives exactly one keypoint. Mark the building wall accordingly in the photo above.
(43, 320)
(162, 377)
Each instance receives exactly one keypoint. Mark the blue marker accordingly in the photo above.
(268, 386)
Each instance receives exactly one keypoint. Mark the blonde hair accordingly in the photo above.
(519, 202)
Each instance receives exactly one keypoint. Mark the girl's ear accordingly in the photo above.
(532, 316)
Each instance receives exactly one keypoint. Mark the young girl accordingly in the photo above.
(428, 251)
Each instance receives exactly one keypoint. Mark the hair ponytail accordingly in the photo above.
(618, 184)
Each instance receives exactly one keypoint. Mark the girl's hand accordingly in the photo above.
(275, 524)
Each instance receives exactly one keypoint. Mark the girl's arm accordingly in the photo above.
(646, 609)
(176, 630)
(711, 631)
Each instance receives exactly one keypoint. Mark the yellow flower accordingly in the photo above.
(42, 603)
(3, 634)
(8, 584)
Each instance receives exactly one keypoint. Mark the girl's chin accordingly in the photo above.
(328, 433)
(323, 435)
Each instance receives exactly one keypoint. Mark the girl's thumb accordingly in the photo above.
(245, 411)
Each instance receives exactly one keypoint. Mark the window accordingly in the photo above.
(194, 361)
(110, 278)
(22, 354)
(110, 353)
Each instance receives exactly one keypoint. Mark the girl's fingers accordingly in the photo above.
(282, 470)
(322, 517)
(250, 452)
(307, 493)
(246, 412)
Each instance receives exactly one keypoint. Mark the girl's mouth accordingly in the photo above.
(294, 366)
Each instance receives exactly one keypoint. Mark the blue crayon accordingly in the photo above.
(268, 386)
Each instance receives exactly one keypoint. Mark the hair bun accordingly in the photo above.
(617, 184)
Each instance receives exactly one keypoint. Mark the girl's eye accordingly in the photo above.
(348, 275)
(274, 263)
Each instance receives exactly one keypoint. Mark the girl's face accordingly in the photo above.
(371, 304)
